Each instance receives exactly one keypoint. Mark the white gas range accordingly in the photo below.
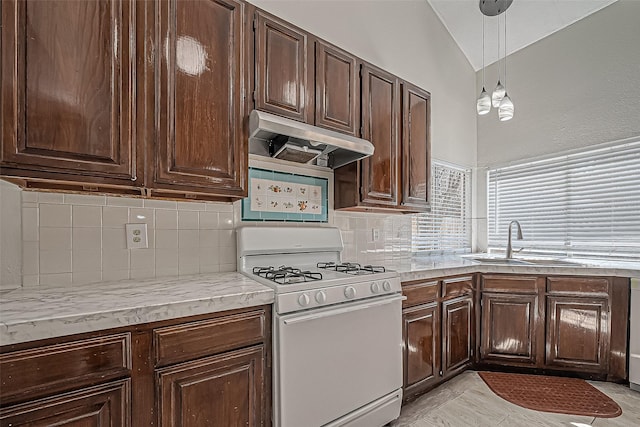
(337, 329)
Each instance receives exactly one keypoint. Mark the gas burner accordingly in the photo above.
(351, 268)
(286, 275)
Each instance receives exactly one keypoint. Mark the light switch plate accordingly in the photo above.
(375, 234)
(137, 236)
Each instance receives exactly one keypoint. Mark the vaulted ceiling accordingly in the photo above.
(527, 22)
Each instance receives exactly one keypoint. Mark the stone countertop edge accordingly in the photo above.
(30, 314)
(452, 266)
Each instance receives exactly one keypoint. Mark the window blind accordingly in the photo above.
(579, 204)
(446, 228)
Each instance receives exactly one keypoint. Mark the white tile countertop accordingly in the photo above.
(451, 265)
(29, 314)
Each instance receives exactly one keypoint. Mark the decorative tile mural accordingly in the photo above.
(279, 196)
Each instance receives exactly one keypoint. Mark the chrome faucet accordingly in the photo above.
(519, 237)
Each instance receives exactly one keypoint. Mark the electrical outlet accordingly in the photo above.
(375, 234)
(137, 236)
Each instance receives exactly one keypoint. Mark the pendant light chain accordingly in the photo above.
(483, 50)
(505, 49)
(499, 68)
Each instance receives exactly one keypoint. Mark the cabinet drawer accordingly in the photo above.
(189, 341)
(48, 369)
(517, 284)
(453, 288)
(419, 293)
(582, 285)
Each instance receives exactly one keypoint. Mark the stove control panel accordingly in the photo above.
(324, 296)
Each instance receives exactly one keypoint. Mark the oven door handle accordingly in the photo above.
(307, 317)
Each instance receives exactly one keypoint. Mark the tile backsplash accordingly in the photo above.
(74, 239)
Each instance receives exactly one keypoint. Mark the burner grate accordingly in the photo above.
(351, 268)
(286, 275)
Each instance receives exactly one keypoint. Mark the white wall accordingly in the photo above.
(406, 38)
(576, 88)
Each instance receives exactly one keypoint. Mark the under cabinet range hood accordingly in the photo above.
(282, 138)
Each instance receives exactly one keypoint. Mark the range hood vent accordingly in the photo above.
(278, 137)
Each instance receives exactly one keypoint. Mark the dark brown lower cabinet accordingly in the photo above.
(422, 346)
(207, 370)
(223, 390)
(509, 328)
(105, 405)
(577, 325)
(457, 334)
(438, 331)
(577, 332)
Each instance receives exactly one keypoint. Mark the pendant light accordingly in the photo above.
(499, 98)
(506, 108)
(499, 91)
(483, 105)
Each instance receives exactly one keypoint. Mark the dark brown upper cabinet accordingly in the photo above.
(201, 69)
(303, 78)
(416, 147)
(381, 126)
(373, 182)
(337, 89)
(283, 68)
(68, 91)
(395, 117)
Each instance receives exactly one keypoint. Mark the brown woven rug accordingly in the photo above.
(552, 394)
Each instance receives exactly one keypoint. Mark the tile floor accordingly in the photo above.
(467, 401)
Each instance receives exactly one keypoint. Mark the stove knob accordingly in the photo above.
(303, 300)
(386, 286)
(375, 288)
(349, 292)
(321, 297)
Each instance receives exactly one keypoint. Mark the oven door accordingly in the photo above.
(330, 362)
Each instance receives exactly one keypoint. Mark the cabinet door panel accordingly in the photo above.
(101, 406)
(457, 333)
(422, 345)
(200, 62)
(224, 390)
(416, 147)
(337, 90)
(380, 112)
(577, 332)
(508, 328)
(67, 87)
(284, 79)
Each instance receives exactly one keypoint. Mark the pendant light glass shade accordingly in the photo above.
(505, 110)
(498, 94)
(483, 105)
